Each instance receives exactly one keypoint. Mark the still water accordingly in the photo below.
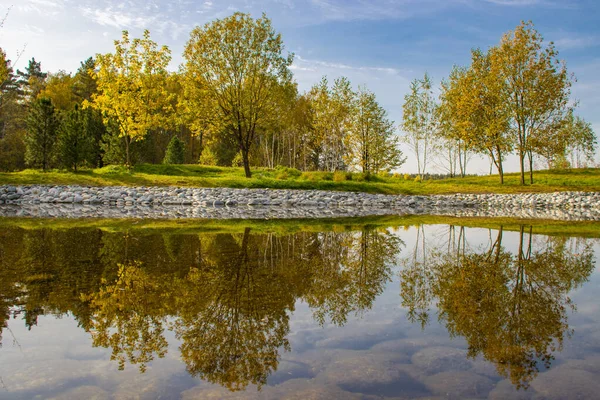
(341, 312)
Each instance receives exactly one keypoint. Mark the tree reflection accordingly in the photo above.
(511, 308)
(227, 297)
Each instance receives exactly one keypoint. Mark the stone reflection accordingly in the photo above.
(226, 296)
(511, 307)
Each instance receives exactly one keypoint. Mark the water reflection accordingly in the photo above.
(227, 297)
(510, 306)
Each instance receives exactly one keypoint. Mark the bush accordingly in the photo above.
(207, 157)
(282, 172)
(407, 177)
(417, 179)
(340, 176)
(310, 176)
(238, 160)
(175, 152)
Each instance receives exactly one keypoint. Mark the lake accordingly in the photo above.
(345, 309)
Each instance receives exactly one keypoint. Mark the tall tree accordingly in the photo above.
(131, 88)
(535, 85)
(419, 120)
(473, 110)
(31, 81)
(374, 145)
(75, 144)
(237, 62)
(42, 128)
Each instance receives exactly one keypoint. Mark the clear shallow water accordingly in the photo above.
(430, 311)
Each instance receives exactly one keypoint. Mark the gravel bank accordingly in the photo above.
(172, 202)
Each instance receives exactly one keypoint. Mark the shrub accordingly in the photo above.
(286, 172)
(175, 153)
(340, 176)
(238, 160)
(417, 179)
(207, 157)
(406, 177)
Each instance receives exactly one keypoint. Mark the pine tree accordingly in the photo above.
(75, 143)
(175, 152)
(42, 128)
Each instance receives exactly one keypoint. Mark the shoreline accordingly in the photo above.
(73, 201)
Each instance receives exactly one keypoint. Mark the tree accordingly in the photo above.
(418, 120)
(75, 139)
(473, 111)
(42, 128)
(175, 152)
(374, 146)
(59, 89)
(131, 90)
(331, 118)
(31, 81)
(237, 62)
(535, 87)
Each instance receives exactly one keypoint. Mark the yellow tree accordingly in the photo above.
(131, 88)
(473, 110)
(535, 85)
(236, 63)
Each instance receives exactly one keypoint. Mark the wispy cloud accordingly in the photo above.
(576, 42)
(301, 63)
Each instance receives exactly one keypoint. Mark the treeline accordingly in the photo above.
(514, 98)
(232, 102)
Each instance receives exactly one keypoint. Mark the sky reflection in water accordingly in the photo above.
(341, 313)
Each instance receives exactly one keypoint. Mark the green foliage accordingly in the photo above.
(175, 152)
(75, 144)
(340, 176)
(42, 129)
(207, 157)
(238, 160)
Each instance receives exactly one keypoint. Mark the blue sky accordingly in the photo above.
(383, 44)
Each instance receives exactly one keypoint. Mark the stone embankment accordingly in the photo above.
(172, 202)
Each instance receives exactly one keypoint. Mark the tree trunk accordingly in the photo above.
(246, 163)
(530, 156)
(522, 165)
(127, 153)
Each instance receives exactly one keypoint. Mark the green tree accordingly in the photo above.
(175, 152)
(42, 129)
(75, 141)
(535, 86)
(237, 62)
(374, 145)
(31, 81)
(419, 120)
(131, 88)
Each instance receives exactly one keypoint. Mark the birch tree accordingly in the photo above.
(535, 86)
(418, 120)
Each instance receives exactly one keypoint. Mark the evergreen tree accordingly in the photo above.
(175, 152)
(74, 140)
(31, 81)
(42, 128)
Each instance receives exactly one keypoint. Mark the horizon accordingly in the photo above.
(383, 45)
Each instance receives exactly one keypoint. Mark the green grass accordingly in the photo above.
(589, 229)
(286, 178)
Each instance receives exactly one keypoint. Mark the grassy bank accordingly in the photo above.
(286, 226)
(202, 176)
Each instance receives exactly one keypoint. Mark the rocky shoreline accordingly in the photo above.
(174, 202)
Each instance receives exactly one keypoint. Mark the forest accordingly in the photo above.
(234, 102)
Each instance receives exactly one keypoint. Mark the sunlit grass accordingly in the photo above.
(287, 178)
(590, 229)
